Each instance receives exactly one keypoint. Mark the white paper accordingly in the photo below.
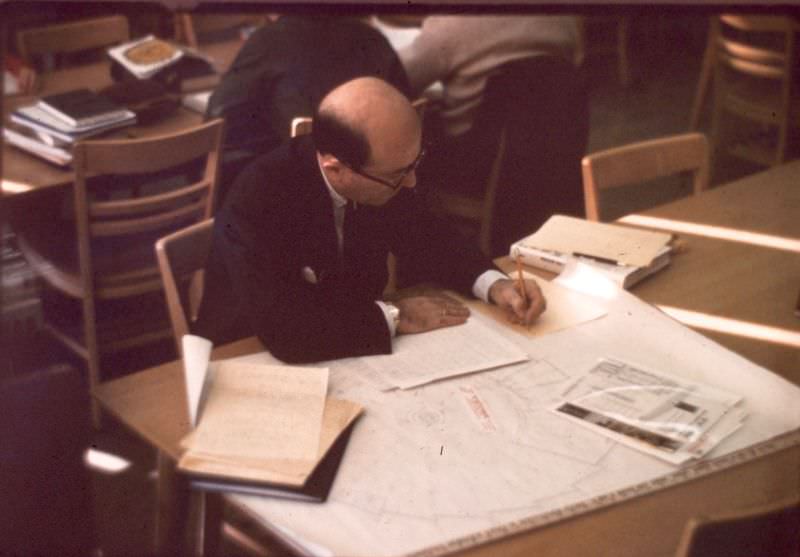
(196, 356)
(447, 352)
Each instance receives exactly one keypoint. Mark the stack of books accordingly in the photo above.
(625, 255)
(50, 128)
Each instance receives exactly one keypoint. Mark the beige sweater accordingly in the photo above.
(461, 51)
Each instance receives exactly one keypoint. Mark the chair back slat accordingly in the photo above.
(140, 156)
(149, 223)
(71, 37)
(149, 204)
(644, 161)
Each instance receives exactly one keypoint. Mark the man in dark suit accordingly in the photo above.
(300, 247)
(283, 71)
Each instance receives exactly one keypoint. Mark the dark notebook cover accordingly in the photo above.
(317, 486)
(81, 107)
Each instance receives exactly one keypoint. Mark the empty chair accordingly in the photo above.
(105, 267)
(69, 38)
(755, 97)
(643, 161)
(768, 530)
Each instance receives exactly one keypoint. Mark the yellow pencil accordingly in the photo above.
(521, 282)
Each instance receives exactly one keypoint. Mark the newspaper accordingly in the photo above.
(672, 418)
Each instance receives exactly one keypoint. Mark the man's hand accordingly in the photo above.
(425, 313)
(506, 294)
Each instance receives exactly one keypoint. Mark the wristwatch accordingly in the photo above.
(394, 312)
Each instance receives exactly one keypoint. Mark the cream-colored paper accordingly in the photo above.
(262, 412)
(570, 235)
(565, 308)
(337, 416)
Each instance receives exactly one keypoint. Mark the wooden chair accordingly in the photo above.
(113, 273)
(195, 29)
(479, 210)
(596, 39)
(772, 529)
(754, 75)
(182, 258)
(73, 37)
(643, 161)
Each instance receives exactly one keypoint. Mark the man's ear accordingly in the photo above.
(332, 166)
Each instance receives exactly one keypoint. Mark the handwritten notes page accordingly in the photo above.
(565, 308)
(259, 419)
(419, 359)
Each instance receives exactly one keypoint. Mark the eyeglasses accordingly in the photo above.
(405, 172)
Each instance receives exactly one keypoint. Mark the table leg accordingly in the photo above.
(172, 509)
(212, 523)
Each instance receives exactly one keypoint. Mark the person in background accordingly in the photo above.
(283, 70)
(514, 71)
(300, 247)
(18, 77)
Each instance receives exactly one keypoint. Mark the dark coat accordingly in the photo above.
(278, 225)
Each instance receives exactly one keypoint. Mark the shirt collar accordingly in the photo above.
(338, 199)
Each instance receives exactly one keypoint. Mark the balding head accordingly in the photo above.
(374, 113)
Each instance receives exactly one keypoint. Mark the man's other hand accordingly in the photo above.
(521, 308)
(425, 313)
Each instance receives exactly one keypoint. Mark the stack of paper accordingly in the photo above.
(625, 255)
(671, 418)
(265, 429)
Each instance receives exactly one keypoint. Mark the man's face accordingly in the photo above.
(392, 167)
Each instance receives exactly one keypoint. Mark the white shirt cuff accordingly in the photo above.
(388, 316)
(484, 282)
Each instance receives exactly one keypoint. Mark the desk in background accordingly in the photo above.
(24, 173)
(738, 276)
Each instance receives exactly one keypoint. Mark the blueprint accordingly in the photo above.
(476, 453)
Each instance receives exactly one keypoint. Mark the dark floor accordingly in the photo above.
(665, 62)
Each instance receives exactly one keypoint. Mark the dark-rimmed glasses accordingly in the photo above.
(405, 172)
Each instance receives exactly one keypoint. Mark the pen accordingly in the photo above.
(520, 281)
(596, 258)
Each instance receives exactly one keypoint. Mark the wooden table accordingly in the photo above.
(24, 173)
(726, 278)
(737, 277)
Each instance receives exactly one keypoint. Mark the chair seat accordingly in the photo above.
(122, 267)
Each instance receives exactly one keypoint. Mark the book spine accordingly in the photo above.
(100, 119)
(42, 128)
(546, 261)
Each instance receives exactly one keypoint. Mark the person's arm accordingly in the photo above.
(429, 57)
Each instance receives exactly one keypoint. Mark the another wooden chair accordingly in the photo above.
(597, 38)
(772, 529)
(113, 272)
(643, 161)
(182, 258)
(72, 37)
(754, 74)
(479, 210)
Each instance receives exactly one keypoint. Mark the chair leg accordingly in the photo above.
(703, 84)
(623, 27)
(93, 354)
